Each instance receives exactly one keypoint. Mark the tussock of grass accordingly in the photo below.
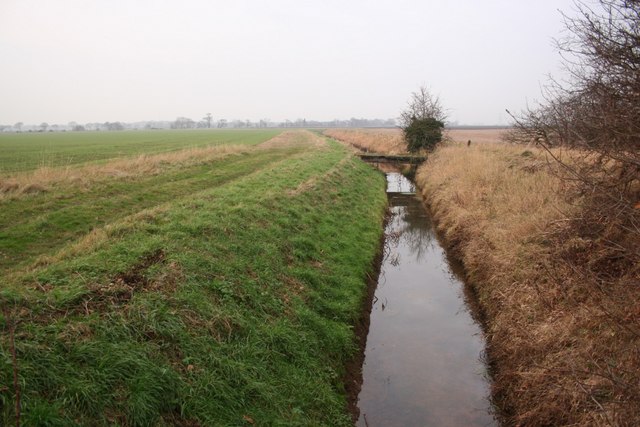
(562, 349)
(230, 305)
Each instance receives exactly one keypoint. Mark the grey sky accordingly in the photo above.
(132, 60)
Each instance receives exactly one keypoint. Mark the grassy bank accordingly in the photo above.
(221, 293)
(563, 345)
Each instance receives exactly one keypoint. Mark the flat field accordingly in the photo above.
(29, 151)
(479, 135)
(208, 290)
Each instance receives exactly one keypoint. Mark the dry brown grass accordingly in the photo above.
(45, 178)
(564, 345)
(476, 135)
(294, 138)
(387, 141)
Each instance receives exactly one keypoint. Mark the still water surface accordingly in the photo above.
(423, 362)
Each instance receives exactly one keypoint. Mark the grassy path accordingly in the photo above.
(41, 224)
(232, 305)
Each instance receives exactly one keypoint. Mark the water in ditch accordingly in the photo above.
(423, 359)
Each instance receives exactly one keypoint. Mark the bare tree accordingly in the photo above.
(422, 105)
(207, 119)
(113, 126)
(183, 123)
(596, 111)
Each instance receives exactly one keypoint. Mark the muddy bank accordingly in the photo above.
(352, 378)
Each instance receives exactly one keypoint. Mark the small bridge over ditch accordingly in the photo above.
(390, 158)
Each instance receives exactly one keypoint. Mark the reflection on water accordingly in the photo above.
(423, 357)
(396, 183)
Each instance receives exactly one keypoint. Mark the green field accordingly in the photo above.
(28, 151)
(218, 293)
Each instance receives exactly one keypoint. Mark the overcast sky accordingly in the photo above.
(130, 60)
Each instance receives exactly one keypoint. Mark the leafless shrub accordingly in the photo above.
(422, 104)
(598, 109)
(596, 113)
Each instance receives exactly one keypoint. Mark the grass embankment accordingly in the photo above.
(563, 347)
(221, 293)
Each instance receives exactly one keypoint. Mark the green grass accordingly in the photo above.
(43, 223)
(28, 151)
(233, 302)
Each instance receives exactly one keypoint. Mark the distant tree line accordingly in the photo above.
(207, 122)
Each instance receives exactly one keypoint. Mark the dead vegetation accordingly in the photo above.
(294, 138)
(594, 260)
(387, 141)
(480, 135)
(390, 141)
(559, 295)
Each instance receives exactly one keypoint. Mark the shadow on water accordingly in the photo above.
(423, 358)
